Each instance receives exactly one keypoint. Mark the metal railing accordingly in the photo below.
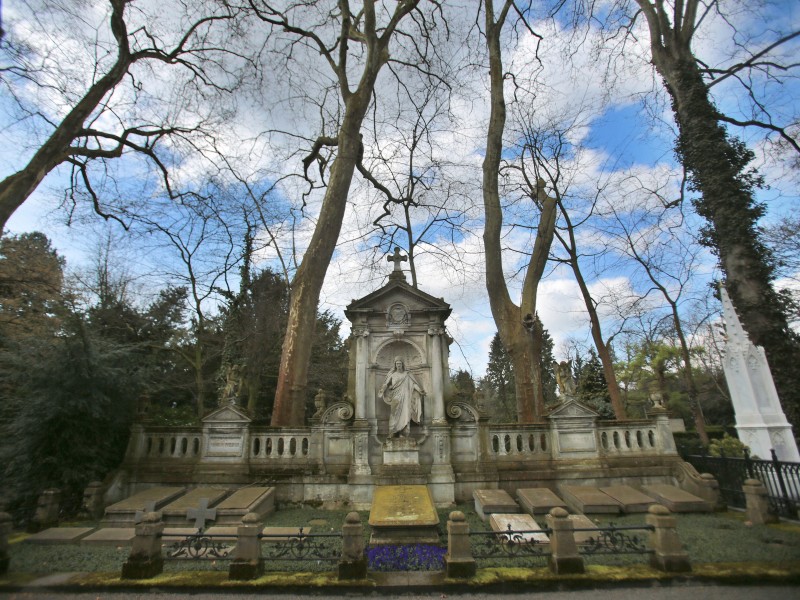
(782, 479)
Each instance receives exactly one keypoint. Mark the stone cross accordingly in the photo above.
(201, 513)
(149, 506)
(397, 258)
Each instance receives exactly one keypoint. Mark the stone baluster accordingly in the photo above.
(145, 560)
(758, 510)
(668, 553)
(458, 560)
(6, 526)
(247, 562)
(564, 556)
(353, 564)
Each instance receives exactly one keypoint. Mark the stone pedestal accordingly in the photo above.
(458, 561)
(47, 509)
(668, 553)
(247, 562)
(758, 511)
(353, 564)
(401, 463)
(145, 560)
(93, 500)
(564, 555)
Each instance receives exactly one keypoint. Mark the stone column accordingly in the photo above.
(437, 377)
(247, 562)
(353, 564)
(6, 526)
(758, 510)
(458, 561)
(668, 553)
(145, 560)
(564, 557)
(47, 508)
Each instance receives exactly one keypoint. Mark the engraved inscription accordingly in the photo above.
(225, 446)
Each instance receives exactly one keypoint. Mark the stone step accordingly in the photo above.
(589, 499)
(488, 502)
(676, 499)
(538, 501)
(631, 499)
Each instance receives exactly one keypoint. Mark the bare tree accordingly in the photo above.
(87, 122)
(653, 235)
(354, 46)
(519, 328)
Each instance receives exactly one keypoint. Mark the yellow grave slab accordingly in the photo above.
(402, 505)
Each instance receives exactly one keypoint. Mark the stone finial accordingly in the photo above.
(564, 555)
(459, 562)
(353, 564)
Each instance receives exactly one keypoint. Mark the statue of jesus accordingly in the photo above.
(404, 395)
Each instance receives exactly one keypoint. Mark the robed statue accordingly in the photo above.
(404, 395)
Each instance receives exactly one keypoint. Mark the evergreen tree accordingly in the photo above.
(500, 377)
(592, 388)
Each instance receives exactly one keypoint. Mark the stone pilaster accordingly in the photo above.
(145, 560)
(668, 553)
(247, 562)
(458, 561)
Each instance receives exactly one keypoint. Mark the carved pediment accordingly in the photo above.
(229, 413)
(572, 409)
(397, 294)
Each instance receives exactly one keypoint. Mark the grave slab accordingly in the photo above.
(631, 499)
(488, 502)
(519, 522)
(403, 514)
(539, 501)
(123, 513)
(259, 500)
(176, 513)
(589, 499)
(110, 536)
(59, 535)
(583, 522)
(676, 499)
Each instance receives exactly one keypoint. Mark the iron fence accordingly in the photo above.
(614, 539)
(782, 479)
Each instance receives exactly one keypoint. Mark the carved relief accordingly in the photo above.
(339, 412)
(397, 315)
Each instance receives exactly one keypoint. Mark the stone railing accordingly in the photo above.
(520, 441)
(283, 444)
(166, 443)
(620, 437)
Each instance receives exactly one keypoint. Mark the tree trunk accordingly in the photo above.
(520, 341)
(718, 168)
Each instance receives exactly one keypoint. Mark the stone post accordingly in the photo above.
(353, 564)
(6, 527)
(93, 506)
(458, 561)
(247, 562)
(758, 510)
(145, 560)
(564, 557)
(668, 553)
(46, 514)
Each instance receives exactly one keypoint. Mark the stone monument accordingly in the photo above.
(760, 420)
(399, 378)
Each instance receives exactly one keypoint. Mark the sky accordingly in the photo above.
(624, 134)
